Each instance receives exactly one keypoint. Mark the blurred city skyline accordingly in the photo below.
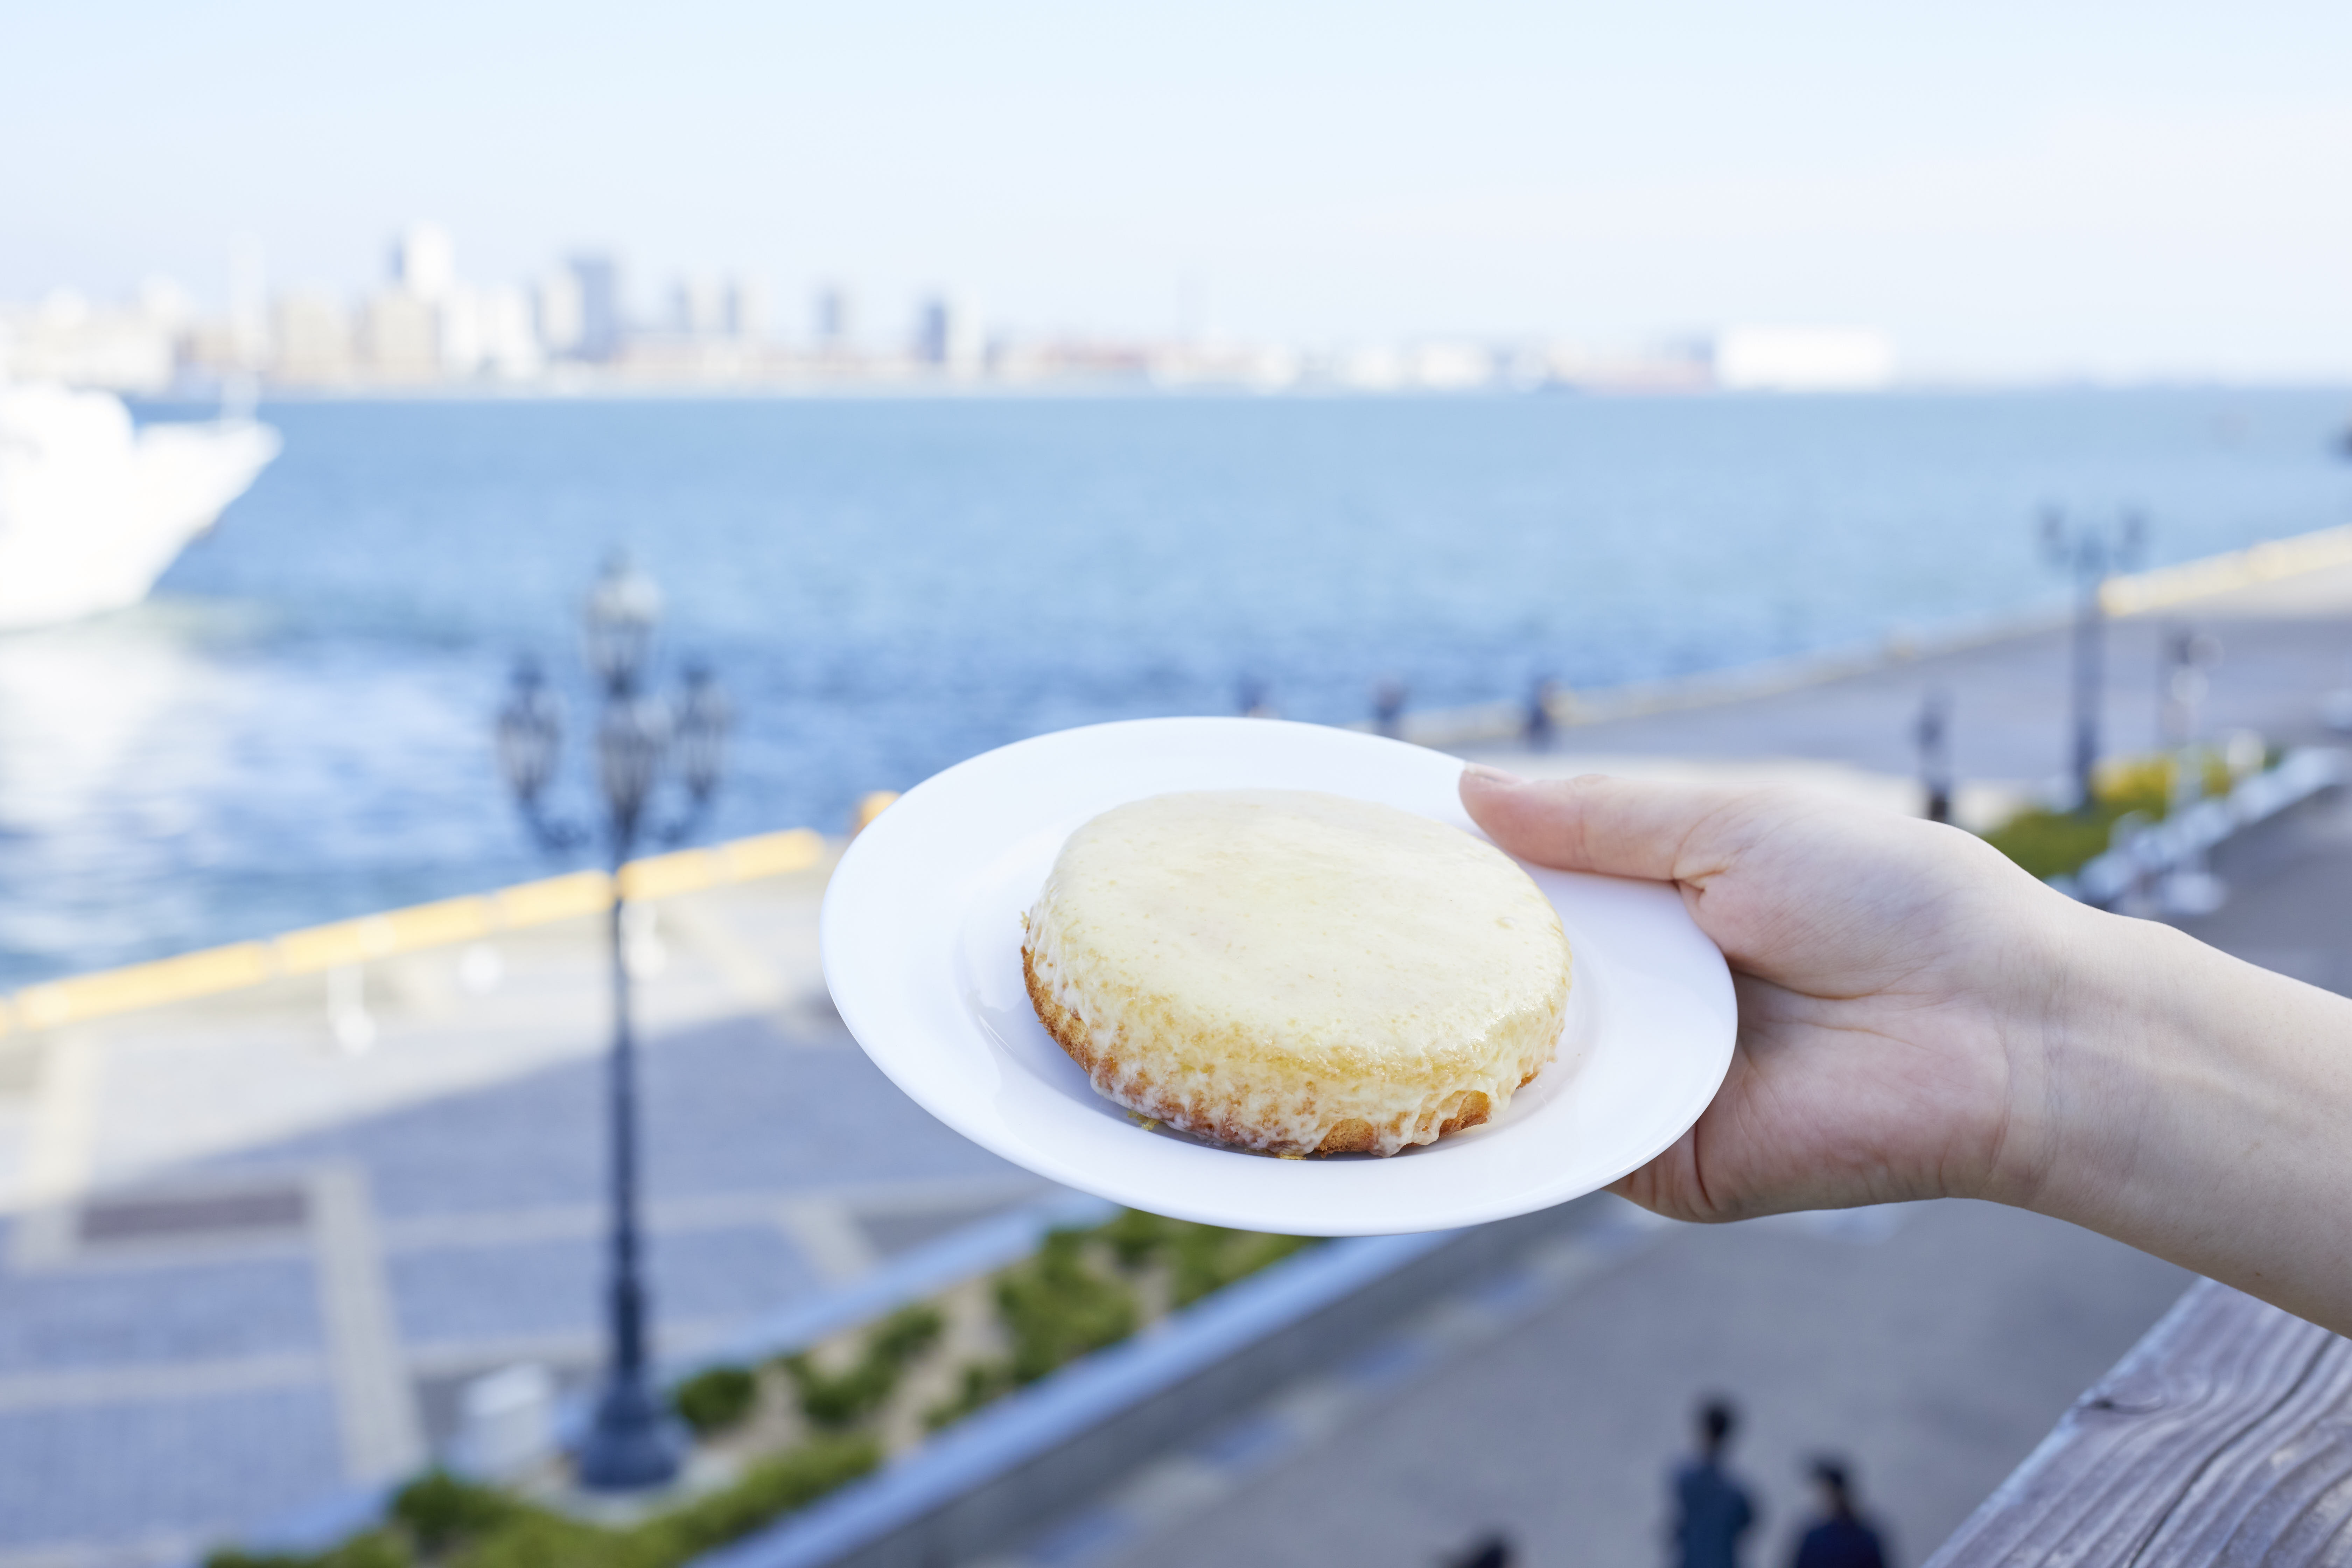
(2102, 191)
(574, 326)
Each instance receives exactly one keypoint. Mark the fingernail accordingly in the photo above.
(1492, 775)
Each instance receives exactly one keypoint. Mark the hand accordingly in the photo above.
(1918, 1018)
(1896, 981)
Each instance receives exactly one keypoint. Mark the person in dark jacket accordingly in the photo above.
(1487, 1552)
(1841, 1538)
(1712, 1510)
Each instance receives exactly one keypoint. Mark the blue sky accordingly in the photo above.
(2009, 189)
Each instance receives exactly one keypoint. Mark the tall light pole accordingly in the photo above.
(631, 1442)
(2093, 553)
(1932, 733)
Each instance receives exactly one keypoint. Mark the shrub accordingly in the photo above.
(1207, 1258)
(906, 1334)
(2053, 843)
(376, 1549)
(2060, 843)
(438, 1511)
(1056, 1309)
(836, 1400)
(537, 1539)
(1202, 1257)
(985, 1382)
(1135, 1237)
(768, 1489)
(533, 1538)
(716, 1398)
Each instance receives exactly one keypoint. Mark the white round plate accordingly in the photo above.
(922, 950)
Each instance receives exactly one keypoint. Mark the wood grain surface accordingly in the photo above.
(2224, 1438)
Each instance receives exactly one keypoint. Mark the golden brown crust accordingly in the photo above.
(1352, 1135)
(1066, 1028)
(1473, 1110)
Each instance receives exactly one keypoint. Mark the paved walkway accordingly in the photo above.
(246, 1266)
(2285, 648)
(1932, 1344)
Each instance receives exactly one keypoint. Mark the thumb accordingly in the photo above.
(1620, 827)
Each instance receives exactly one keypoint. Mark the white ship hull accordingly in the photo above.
(92, 511)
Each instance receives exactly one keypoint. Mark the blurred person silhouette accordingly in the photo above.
(1253, 698)
(1388, 709)
(1492, 1549)
(1541, 726)
(1840, 1537)
(1712, 1509)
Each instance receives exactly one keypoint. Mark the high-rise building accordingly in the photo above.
(457, 320)
(314, 337)
(698, 307)
(947, 334)
(424, 262)
(248, 302)
(400, 338)
(510, 346)
(598, 275)
(556, 312)
(835, 321)
(747, 309)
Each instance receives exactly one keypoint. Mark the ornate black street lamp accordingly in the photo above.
(631, 1442)
(2093, 554)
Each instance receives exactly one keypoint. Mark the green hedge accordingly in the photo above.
(2061, 843)
(836, 1400)
(715, 1400)
(442, 1520)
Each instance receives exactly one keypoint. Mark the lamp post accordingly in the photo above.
(631, 1442)
(1932, 733)
(2092, 554)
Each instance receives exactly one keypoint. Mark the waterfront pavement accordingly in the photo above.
(2284, 650)
(246, 1265)
(252, 1244)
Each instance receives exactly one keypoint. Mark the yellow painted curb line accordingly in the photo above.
(2265, 563)
(212, 971)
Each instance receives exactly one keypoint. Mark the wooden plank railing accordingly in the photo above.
(2224, 1438)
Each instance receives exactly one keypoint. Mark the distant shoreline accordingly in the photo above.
(1121, 389)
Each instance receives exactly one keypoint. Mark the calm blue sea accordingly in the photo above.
(294, 729)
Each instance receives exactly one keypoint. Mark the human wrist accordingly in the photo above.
(2193, 1110)
(2101, 1012)
(2076, 1042)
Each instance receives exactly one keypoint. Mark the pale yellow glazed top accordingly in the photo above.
(1293, 955)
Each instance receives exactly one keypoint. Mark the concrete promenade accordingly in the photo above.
(2285, 646)
(256, 1230)
(253, 1248)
